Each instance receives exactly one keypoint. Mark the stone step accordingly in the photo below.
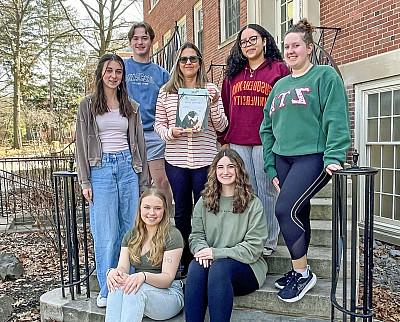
(326, 192)
(321, 233)
(321, 208)
(262, 305)
(319, 258)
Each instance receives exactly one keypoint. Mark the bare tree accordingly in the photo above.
(107, 23)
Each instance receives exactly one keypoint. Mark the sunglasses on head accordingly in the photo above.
(192, 59)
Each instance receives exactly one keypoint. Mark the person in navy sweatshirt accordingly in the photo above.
(253, 67)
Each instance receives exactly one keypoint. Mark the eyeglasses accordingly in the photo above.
(193, 59)
(248, 42)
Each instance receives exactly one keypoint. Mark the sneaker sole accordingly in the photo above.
(303, 292)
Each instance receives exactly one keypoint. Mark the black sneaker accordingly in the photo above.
(297, 287)
(280, 283)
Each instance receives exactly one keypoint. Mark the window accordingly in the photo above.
(156, 58)
(285, 12)
(382, 136)
(198, 25)
(182, 29)
(230, 18)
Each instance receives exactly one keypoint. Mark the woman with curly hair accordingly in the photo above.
(228, 233)
(253, 67)
(154, 248)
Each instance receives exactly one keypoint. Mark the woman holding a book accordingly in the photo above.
(189, 152)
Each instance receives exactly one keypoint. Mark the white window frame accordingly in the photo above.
(153, 3)
(182, 29)
(155, 48)
(223, 21)
(198, 11)
(361, 112)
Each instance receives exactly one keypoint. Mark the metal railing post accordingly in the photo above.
(67, 230)
(354, 308)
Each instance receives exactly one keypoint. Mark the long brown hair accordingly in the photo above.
(243, 193)
(177, 81)
(99, 106)
(140, 233)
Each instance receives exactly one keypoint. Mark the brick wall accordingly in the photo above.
(164, 14)
(369, 27)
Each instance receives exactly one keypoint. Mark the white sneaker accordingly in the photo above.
(101, 301)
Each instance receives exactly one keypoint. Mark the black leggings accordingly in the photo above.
(300, 178)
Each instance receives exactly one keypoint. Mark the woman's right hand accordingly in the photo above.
(275, 182)
(133, 282)
(87, 193)
(115, 279)
(177, 132)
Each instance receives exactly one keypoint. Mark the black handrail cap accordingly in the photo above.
(65, 174)
(356, 171)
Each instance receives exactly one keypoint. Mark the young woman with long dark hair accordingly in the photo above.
(111, 162)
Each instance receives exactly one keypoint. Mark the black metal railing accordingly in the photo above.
(26, 188)
(73, 238)
(216, 73)
(165, 57)
(345, 269)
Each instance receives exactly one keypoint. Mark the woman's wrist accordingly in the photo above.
(145, 276)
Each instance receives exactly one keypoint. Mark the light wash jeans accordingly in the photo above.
(115, 189)
(156, 303)
(253, 160)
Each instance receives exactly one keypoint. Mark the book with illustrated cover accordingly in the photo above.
(192, 113)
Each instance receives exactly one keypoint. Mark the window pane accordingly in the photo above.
(387, 181)
(396, 128)
(397, 208)
(385, 130)
(373, 130)
(388, 156)
(397, 184)
(375, 156)
(396, 103)
(372, 105)
(378, 181)
(377, 206)
(387, 206)
(386, 103)
(397, 148)
(290, 10)
(283, 13)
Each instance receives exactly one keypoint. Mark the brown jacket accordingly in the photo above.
(88, 145)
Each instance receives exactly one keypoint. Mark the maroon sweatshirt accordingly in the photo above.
(244, 97)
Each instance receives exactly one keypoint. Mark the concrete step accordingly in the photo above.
(321, 208)
(326, 192)
(262, 305)
(319, 258)
(321, 234)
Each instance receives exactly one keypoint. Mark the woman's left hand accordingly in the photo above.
(204, 257)
(330, 168)
(133, 282)
(213, 94)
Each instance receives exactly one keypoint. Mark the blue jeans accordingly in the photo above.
(216, 287)
(262, 185)
(186, 185)
(156, 303)
(115, 189)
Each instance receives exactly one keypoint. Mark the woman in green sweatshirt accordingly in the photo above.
(305, 136)
(228, 235)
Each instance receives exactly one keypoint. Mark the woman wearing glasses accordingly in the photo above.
(253, 67)
(188, 154)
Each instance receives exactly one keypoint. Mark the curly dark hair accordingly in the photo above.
(243, 193)
(236, 61)
(99, 106)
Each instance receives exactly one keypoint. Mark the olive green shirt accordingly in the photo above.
(174, 240)
(240, 236)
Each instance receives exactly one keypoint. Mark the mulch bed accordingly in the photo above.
(41, 266)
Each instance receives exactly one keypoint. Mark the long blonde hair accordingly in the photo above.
(140, 233)
(177, 81)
